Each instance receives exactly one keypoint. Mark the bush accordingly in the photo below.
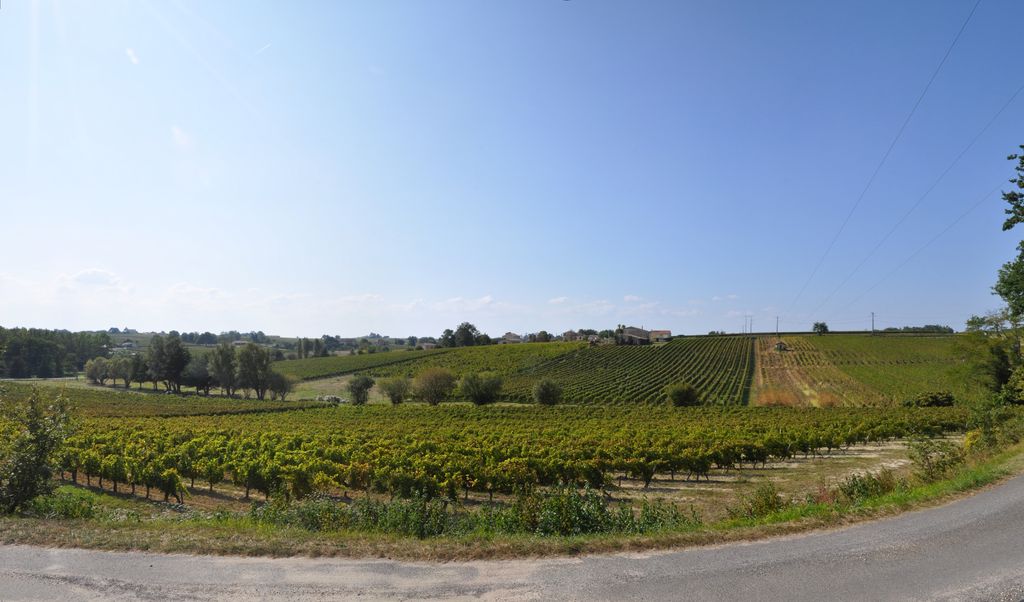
(280, 385)
(547, 392)
(64, 503)
(859, 487)
(562, 511)
(360, 387)
(434, 385)
(396, 388)
(30, 448)
(682, 394)
(764, 501)
(934, 458)
(931, 399)
(481, 389)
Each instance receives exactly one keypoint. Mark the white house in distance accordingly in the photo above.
(510, 337)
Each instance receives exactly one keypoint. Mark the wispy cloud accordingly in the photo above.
(91, 280)
(632, 298)
(725, 297)
(180, 137)
(260, 51)
(130, 53)
(558, 300)
(641, 308)
(461, 304)
(588, 309)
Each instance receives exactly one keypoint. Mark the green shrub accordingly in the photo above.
(931, 399)
(434, 385)
(564, 511)
(481, 389)
(682, 394)
(763, 501)
(934, 458)
(64, 503)
(547, 392)
(360, 387)
(30, 448)
(859, 487)
(396, 388)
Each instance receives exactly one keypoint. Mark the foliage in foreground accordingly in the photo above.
(563, 511)
(31, 436)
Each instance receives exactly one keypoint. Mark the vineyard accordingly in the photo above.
(103, 401)
(720, 368)
(503, 360)
(833, 370)
(454, 450)
(337, 365)
(857, 370)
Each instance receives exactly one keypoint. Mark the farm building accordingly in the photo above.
(661, 336)
(571, 335)
(631, 335)
(510, 337)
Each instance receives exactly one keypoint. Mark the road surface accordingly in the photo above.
(968, 550)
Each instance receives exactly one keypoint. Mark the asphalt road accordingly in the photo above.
(972, 549)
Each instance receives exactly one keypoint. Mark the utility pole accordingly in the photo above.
(872, 323)
(776, 326)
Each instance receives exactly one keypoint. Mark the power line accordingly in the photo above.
(885, 157)
(926, 245)
(921, 199)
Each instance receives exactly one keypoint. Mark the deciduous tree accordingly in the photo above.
(434, 385)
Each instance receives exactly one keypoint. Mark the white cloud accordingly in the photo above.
(632, 298)
(260, 51)
(134, 58)
(558, 300)
(407, 307)
(460, 304)
(725, 297)
(641, 309)
(598, 308)
(681, 312)
(180, 137)
(90, 281)
(95, 277)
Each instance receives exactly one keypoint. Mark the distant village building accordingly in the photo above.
(127, 344)
(428, 345)
(511, 337)
(631, 335)
(571, 335)
(661, 336)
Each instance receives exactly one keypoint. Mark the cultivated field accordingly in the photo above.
(337, 365)
(224, 451)
(832, 370)
(850, 369)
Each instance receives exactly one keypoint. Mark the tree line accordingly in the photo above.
(232, 369)
(40, 353)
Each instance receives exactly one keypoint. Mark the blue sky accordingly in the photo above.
(342, 167)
